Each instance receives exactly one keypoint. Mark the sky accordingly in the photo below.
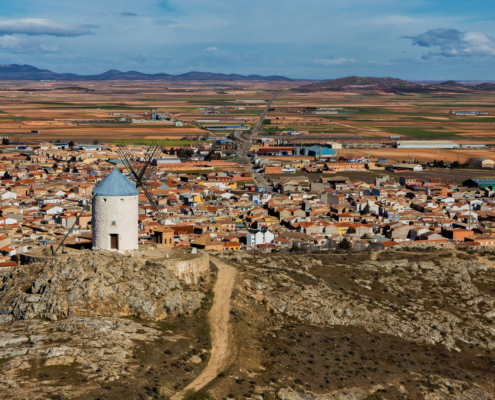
(307, 39)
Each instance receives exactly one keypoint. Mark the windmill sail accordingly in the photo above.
(141, 172)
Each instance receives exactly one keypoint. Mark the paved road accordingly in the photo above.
(246, 146)
(257, 127)
(258, 178)
(261, 181)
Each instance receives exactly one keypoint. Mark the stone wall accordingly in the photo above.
(189, 271)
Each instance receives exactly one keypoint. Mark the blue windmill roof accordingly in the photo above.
(116, 184)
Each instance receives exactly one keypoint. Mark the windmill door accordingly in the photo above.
(114, 241)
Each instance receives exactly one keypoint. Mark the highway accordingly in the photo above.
(245, 147)
(258, 178)
(258, 125)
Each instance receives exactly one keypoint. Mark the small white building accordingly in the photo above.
(115, 214)
(255, 237)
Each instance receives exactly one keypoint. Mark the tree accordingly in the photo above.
(71, 145)
(344, 244)
(366, 210)
(95, 142)
(456, 165)
(295, 248)
(5, 141)
(386, 230)
(172, 151)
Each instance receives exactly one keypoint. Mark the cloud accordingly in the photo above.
(454, 43)
(38, 26)
(21, 45)
(334, 61)
(211, 49)
(128, 14)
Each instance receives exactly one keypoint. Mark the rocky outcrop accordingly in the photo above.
(423, 245)
(449, 390)
(95, 284)
(345, 394)
(189, 271)
(466, 313)
(98, 349)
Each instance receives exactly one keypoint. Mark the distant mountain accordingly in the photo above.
(485, 86)
(28, 72)
(392, 85)
(451, 84)
(360, 81)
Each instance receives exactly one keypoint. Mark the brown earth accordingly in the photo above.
(218, 319)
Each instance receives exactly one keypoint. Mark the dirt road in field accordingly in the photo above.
(218, 319)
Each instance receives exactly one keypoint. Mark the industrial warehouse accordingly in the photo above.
(425, 144)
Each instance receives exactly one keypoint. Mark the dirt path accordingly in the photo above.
(218, 319)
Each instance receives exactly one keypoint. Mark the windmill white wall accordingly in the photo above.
(115, 214)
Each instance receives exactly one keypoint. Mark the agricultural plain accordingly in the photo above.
(105, 111)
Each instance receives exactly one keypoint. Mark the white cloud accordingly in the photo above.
(49, 49)
(454, 43)
(334, 61)
(21, 45)
(211, 49)
(39, 26)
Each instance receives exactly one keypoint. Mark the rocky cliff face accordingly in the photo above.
(94, 284)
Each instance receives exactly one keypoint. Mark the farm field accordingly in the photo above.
(102, 111)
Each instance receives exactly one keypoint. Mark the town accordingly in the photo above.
(46, 189)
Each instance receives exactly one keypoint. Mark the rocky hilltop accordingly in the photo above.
(413, 322)
(94, 284)
(76, 322)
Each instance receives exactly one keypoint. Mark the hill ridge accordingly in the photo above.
(28, 72)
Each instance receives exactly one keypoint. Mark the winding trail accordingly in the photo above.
(218, 319)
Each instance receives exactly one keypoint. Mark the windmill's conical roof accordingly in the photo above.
(116, 184)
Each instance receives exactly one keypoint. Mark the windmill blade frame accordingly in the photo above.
(153, 202)
(141, 172)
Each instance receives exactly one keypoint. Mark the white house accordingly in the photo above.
(8, 195)
(255, 237)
